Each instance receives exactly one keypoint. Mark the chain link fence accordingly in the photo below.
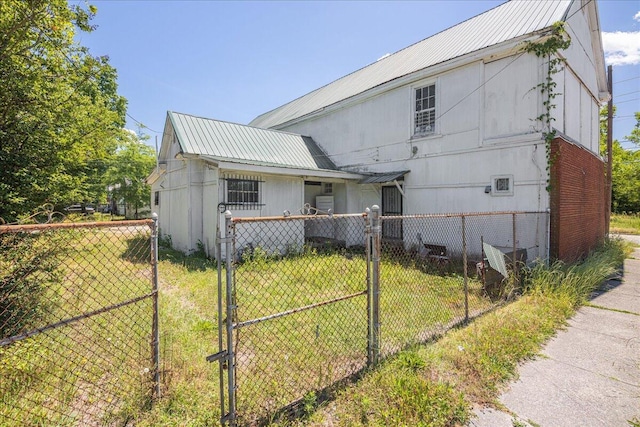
(78, 322)
(310, 301)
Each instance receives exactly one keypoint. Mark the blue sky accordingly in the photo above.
(235, 60)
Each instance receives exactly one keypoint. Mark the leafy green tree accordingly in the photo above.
(625, 168)
(132, 163)
(60, 114)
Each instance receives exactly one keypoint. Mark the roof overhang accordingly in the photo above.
(238, 165)
(383, 178)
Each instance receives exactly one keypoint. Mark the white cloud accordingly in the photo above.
(637, 16)
(622, 48)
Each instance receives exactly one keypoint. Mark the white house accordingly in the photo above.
(445, 125)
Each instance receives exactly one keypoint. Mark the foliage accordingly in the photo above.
(59, 109)
(548, 49)
(625, 223)
(28, 264)
(625, 168)
(132, 163)
(578, 281)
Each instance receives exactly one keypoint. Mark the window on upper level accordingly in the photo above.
(424, 119)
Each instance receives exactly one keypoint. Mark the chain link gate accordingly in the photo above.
(78, 322)
(293, 319)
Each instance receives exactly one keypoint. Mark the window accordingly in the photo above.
(424, 119)
(243, 192)
(502, 185)
(327, 188)
(156, 198)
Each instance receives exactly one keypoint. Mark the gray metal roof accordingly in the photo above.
(505, 22)
(245, 144)
(381, 178)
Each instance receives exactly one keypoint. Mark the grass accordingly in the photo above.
(437, 384)
(293, 357)
(296, 356)
(625, 223)
(94, 370)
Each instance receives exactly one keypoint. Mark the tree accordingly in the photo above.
(132, 163)
(60, 114)
(625, 169)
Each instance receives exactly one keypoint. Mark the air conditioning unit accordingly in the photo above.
(324, 203)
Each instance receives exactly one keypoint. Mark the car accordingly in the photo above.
(80, 209)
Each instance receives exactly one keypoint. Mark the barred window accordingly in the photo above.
(502, 185)
(243, 192)
(425, 110)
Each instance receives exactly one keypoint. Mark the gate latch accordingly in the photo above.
(217, 356)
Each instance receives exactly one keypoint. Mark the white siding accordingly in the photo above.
(511, 101)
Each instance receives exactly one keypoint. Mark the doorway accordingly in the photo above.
(392, 206)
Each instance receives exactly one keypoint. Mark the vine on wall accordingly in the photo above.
(558, 40)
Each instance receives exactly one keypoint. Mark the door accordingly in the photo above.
(391, 206)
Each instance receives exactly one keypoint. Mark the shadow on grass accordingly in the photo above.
(193, 262)
(138, 250)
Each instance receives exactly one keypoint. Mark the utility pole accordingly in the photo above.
(609, 149)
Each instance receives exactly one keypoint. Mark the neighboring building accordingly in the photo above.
(445, 125)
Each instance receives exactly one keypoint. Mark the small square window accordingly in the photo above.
(502, 185)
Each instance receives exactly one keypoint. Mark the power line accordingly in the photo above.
(629, 100)
(142, 124)
(628, 93)
(626, 80)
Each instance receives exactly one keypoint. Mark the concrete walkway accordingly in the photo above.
(589, 374)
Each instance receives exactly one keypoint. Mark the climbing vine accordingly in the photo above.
(557, 40)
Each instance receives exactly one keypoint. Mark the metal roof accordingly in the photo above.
(245, 144)
(505, 22)
(381, 178)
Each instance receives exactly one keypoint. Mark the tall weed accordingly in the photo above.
(577, 281)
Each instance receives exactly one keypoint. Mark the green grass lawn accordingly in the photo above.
(288, 358)
(283, 359)
(625, 223)
(94, 370)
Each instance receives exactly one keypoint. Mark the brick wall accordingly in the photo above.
(577, 200)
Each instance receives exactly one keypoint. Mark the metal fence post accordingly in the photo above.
(514, 260)
(231, 357)
(155, 328)
(375, 301)
(367, 245)
(221, 362)
(465, 267)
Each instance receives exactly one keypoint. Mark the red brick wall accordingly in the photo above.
(577, 200)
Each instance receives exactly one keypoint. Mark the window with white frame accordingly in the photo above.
(502, 185)
(424, 119)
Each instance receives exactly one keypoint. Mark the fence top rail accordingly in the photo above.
(68, 225)
(296, 217)
(467, 214)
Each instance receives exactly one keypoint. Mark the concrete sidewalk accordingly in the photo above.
(589, 374)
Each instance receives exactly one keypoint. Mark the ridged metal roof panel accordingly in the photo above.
(382, 178)
(510, 20)
(246, 144)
